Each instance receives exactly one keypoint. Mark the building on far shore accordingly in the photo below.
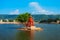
(1, 20)
(58, 21)
(7, 20)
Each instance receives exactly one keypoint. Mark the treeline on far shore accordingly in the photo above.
(57, 20)
(7, 20)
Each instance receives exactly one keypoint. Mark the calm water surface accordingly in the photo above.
(10, 32)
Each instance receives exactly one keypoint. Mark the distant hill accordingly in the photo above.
(35, 17)
(8, 16)
(41, 17)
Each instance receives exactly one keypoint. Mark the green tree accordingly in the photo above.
(57, 18)
(23, 17)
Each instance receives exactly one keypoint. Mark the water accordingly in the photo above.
(10, 32)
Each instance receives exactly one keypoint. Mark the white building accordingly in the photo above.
(58, 21)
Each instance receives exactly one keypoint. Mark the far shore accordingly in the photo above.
(10, 23)
(24, 23)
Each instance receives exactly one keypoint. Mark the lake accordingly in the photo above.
(10, 32)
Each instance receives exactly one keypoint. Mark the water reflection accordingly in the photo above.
(25, 35)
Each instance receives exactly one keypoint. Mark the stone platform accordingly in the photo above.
(30, 28)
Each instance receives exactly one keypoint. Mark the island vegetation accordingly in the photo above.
(23, 18)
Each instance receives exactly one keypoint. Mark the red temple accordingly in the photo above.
(30, 22)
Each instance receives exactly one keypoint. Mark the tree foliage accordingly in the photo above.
(23, 17)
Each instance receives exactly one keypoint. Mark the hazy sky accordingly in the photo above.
(31, 6)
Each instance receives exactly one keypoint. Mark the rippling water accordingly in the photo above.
(10, 32)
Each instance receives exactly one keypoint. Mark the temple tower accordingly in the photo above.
(30, 22)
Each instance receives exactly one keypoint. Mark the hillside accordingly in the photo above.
(35, 17)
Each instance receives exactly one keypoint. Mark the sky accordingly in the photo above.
(15, 7)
